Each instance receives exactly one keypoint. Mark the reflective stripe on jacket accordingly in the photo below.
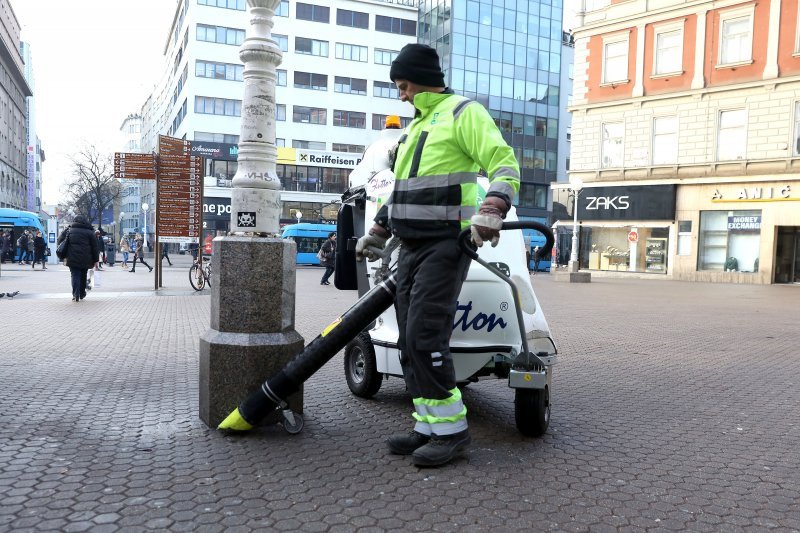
(438, 159)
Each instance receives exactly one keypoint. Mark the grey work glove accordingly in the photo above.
(366, 245)
(487, 223)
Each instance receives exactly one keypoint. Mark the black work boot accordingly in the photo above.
(406, 443)
(441, 449)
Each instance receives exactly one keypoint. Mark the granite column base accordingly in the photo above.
(251, 335)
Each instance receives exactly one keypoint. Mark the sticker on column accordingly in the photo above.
(246, 219)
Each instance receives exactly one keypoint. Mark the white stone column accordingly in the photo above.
(638, 83)
(698, 80)
(773, 31)
(251, 334)
(255, 198)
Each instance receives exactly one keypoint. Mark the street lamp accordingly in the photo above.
(145, 207)
(575, 190)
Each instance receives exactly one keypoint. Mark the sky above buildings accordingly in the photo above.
(95, 62)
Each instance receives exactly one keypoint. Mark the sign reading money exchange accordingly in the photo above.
(635, 202)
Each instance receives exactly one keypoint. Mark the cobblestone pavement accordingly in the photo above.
(675, 408)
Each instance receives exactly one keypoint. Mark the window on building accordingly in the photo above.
(532, 195)
(282, 40)
(217, 106)
(351, 52)
(280, 112)
(668, 50)
(281, 81)
(385, 57)
(218, 71)
(796, 147)
(353, 19)
(613, 135)
(732, 135)
(350, 85)
(736, 36)
(311, 80)
(309, 115)
(350, 148)
(729, 240)
(684, 237)
(349, 119)
(311, 47)
(312, 12)
(379, 121)
(280, 142)
(665, 140)
(309, 145)
(216, 137)
(395, 25)
(220, 34)
(239, 5)
(385, 89)
(283, 9)
(615, 59)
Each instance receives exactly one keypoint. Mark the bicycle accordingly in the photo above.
(200, 274)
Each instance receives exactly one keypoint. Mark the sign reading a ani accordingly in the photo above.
(756, 194)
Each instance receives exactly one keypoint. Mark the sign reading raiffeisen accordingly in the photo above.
(318, 158)
(744, 223)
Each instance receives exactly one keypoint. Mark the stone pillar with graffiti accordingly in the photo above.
(251, 334)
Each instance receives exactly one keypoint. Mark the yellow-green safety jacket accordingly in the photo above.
(436, 168)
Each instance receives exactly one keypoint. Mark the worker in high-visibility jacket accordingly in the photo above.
(435, 196)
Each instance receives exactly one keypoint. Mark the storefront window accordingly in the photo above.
(729, 241)
(625, 248)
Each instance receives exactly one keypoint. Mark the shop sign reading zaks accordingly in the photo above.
(756, 194)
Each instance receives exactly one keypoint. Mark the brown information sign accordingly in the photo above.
(179, 190)
(134, 166)
(171, 146)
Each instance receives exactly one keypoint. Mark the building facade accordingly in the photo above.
(507, 56)
(686, 139)
(34, 154)
(333, 91)
(14, 90)
(129, 215)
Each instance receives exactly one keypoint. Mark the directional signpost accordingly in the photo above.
(179, 190)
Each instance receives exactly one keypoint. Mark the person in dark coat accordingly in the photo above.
(82, 253)
(328, 257)
(3, 246)
(101, 246)
(38, 250)
(23, 248)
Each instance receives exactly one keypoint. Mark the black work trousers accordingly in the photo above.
(430, 273)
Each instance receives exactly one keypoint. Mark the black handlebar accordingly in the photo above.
(468, 248)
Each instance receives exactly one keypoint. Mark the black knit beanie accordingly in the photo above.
(418, 63)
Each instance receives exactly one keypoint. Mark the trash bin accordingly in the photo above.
(111, 253)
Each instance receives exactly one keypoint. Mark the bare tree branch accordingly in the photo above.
(93, 187)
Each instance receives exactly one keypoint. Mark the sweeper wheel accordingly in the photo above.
(360, 367)
(532, 411)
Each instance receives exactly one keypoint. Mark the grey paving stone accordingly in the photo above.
(652, 427)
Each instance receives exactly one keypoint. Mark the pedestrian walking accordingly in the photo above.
(125, 248)
(536, 259)
(39, 246)
(165, 253)
(22, 246)
(328, 259)
(30, 249)
(81, 255)
(435, 196)
(139, 253)
(101, 247)
(3, 246)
